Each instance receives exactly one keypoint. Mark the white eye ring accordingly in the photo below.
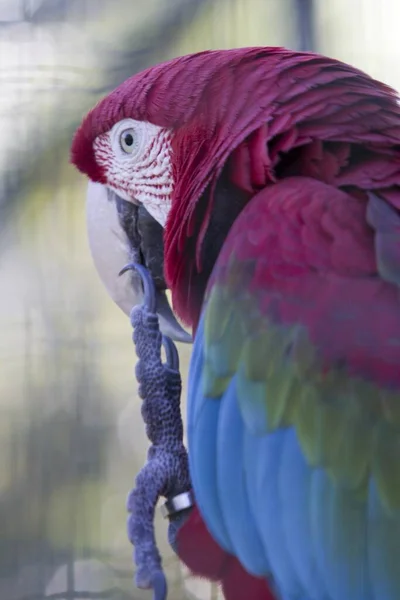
(127, 140)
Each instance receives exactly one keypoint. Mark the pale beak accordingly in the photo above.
(112, 248)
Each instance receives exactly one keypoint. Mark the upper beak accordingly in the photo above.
(111, 250)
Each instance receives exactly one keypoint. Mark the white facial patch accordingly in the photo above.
(136, 156)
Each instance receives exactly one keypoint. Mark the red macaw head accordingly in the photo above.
(158, 141)
(188, 142)
(161, 141)
(159, 138)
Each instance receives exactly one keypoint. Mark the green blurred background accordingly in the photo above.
(71, 434)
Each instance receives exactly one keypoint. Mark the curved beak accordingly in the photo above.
(112, 248)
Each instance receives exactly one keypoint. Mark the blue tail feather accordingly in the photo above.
(202, 427)
(232, 492)
(295, 490)
(269, 512)
(383, 548)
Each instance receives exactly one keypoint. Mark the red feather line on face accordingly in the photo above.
(253, 105)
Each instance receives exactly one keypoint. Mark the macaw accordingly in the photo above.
(274, 178)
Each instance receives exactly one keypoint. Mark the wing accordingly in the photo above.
(294, 393)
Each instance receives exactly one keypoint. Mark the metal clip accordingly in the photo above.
(177, 504)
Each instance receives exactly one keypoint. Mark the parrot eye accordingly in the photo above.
(127, 140)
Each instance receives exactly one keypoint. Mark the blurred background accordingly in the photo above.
(71, 434)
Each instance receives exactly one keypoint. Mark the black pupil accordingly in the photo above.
(128, 139)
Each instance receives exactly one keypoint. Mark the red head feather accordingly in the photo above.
(260, 101)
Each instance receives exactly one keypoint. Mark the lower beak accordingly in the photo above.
(111, 250)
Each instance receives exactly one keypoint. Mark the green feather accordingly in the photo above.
(343, 423)
(386, 464)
